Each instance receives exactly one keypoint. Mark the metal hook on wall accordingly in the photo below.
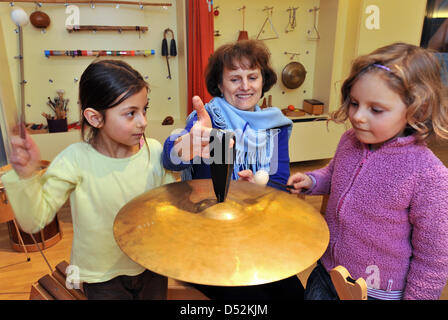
(243, 8)
(293, 54)
(314, 10)
(292, 19)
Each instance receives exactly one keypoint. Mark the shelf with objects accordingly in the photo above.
(314, 43)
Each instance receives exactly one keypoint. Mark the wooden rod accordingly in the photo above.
(22, 84)
(92, 2)
(106, 28)
(97, 53)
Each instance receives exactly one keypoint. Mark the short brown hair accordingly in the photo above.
(414, 74)
(256, 54)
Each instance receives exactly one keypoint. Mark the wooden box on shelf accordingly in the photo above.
(57, 125)
(313, 106)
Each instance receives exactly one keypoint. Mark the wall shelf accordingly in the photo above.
(99, 53)
(92, 2)
(309, 118)
(77, 28)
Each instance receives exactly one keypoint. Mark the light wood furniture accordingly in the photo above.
(20, 240)
(346, 287)
(7, 215)
(53, 287)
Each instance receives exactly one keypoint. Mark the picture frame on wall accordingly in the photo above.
(435, 32)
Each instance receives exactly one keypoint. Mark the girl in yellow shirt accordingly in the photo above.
(114, 164)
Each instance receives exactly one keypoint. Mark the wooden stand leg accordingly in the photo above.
(21, 240)
(42, 236)
(346, 287)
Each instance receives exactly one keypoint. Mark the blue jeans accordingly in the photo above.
(320, 287)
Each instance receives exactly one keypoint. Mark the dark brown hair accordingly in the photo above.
(414, 74)
(103, 85)
(250, 54)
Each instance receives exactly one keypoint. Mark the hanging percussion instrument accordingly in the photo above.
(257, 235)
(172, 51)
(243, 35)
(293, 75)
(40, 19)
(45, 238)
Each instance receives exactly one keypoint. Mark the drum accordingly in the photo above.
(45, 238)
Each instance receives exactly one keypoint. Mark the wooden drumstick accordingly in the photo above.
(261, 177)
(285, 186)
(37, 245)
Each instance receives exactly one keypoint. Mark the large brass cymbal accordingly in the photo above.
(258, 235)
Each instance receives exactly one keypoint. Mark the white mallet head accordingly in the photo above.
(261, 177)
(19, 16)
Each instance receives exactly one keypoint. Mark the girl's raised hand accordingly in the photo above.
(25, 155)
(299, 181)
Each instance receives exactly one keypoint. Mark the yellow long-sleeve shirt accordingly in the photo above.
(98, 187)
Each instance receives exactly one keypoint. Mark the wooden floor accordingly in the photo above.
(17, 275)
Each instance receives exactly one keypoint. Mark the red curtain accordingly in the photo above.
(200, 47)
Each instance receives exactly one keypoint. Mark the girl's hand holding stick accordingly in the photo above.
(25, 155)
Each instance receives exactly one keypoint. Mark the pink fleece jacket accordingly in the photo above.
(388, 215)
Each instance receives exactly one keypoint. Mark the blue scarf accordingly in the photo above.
(255, 133)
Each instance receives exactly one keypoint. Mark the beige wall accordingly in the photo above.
(325, 51)
(347, 33)
(400, 20)
(230, 22)
(341, 24)
(165, 96)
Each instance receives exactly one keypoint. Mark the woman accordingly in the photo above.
(237, 76)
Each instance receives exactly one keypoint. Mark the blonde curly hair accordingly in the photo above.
(414, 74)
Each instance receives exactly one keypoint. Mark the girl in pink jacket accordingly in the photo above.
(388, 205)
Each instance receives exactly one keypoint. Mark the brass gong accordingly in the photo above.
(293, 75)
(257, 235)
